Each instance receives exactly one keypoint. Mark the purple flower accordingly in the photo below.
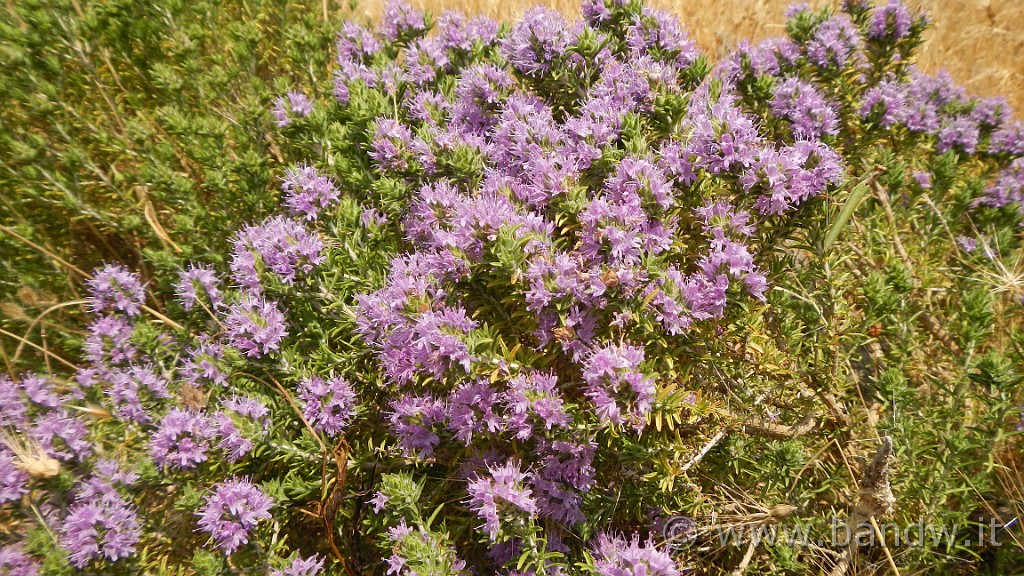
(424, 59)
(413, 333)
(62, 436)
(836, 43)
(413, 419)
(371, 218)
(109, 341)
(307, 192)
(501, 495)
(428, 107)
(401, 22)
(478, 94)
(613, 231)
(770, 57)
(328, 405)
(788, 177)
(923, 179)
(891, 22)
(204, 363)
(660, 33)
(884, 104)
(616, 556)
(231, 511)
(341, 90)
(458, 33)
(721, 215)
(536, 41)
(279, 245)
(418, 551)
(300, 566)
(194, 278)
(289, 105)
(248, 407)
(961, 132)
(926, 97)
(1008, 187)
(391, 145)
(378, 502)
(810, 114)
(15, 562)
(107, 475)
(13, 480)
(356, 43)
(967, 244)
(13, 411)
(233, 444)
(615, 381)
(534, 396)
(991, 112)
(564, 472)
(1009, 139)
(130, 388)
(471, 410)
(597, 12)
(39, 390)
(723, 138)
(255, 326)
(639, 180)
(103, 527)
(115, 288)
(182, 439)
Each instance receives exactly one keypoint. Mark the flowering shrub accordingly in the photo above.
(524, 274)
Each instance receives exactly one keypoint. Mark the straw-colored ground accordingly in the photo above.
(980, 42)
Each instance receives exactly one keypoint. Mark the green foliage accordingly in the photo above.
(138, 132)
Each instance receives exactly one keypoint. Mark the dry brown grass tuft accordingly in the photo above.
(980, 42)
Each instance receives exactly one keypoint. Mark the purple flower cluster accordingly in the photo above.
(617, 556)
(500, 496)
(15, 562)
(890, 22)
(300, 566)
(570, 236)
(114, 289)
(417, 551)
(109, 341)
(255, 326)
(182, 439)
(615, 381)
(13, 480)
(290, 105)
(279, 245)
(412, 326)
(401, 22)
(307, 192)
(392, 145)
(231, 511)
(131, 390)
(195, 279)
(328, 405)
(107, 476)
(61, 435)
(536, 40)
(835, 45)
(1008, 187)
(884, 103)
(204, 363)
(104, 527)
(810, 115)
